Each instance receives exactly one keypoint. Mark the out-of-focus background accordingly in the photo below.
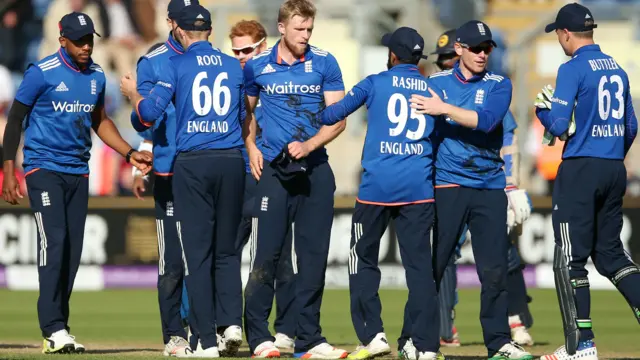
(121, 230)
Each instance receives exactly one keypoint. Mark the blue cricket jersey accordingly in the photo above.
(63, 98)
(593, 87)
(207, 89)
(163, 132)
(292, 97)
(509, 127)
(397, 157)
(471, 157)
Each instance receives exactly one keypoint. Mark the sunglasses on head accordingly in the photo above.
(487, 48)
(247, 49)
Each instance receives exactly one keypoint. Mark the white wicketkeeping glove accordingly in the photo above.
(543, 100)
(520, 205)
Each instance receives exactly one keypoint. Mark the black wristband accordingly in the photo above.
(128, 157)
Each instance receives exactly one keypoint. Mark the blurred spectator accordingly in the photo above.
(15, 16)
(126, 46)
(56, 11)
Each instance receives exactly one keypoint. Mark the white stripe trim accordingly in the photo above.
(184, 258)
(294, 256)
(441, 73)
(566, 243)
(353, 254)
(161, 50)
(262, 54)
(49, 62)
(50, 67)
(161, 246)
(253, 242)
(43, 239)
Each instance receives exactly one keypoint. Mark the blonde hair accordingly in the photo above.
(291, 8)
(250, 28)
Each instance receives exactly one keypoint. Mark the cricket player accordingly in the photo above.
(397, 142)
(593, 90)
(62, 98)
(163, 146)
(518, 205)
(471, 103)
(207, 89)
(249, 38)
(293, 81)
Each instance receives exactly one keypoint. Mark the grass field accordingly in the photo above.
(125, 324)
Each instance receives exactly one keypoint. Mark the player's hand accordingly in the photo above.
(255, 162)
(127, 85)
(428, 105)
(143, 160)
(299, 150)
(138, 187)
(11, 189)
(543, 100)
(520, 204)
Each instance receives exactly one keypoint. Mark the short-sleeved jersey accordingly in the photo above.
(164, 129)
(471, 157)
(207, 89)
(292, 96)
(397, 158)
(595, 89)
(62, 99)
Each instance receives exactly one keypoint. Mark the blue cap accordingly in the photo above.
(76, 25)
(473, 33)
(286, 167)
(573, 17)
(187, 18)
(175, 6)
(405, 42)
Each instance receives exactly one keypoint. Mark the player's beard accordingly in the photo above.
(293, 48)
(389, 64)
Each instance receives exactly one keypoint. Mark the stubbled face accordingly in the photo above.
(246, 48)
(79, 50)
(564, 41)
(296, 33)
(474, 58)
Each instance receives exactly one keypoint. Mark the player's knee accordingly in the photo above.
(495, 279)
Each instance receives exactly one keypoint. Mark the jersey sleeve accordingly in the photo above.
(630, 123)
(102, 94)
(251, 88)
(332, 80)
(154, 105)
(33, 84)
(355, 98)
(556, 120)
(145, 76)
(497, 105)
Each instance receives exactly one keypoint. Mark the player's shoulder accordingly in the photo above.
(49, 63)
(441, 75)
(260, 59)
(322, 55)
(160, 52)
(494, 79)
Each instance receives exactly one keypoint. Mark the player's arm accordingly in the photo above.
(138, 187)
(32, 86)
(151, 107)
(557, 120)
(354, 99)
(144, 82)
(509, 151)
(250, 125)
(630, 123)
(109, 134)
(333, 91)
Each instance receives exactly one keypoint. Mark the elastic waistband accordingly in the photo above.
(231, 153)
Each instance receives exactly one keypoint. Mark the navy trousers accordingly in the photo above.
(170, 266)
(208, 187)
(413, 225)
(59, 203)
(306, 201)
